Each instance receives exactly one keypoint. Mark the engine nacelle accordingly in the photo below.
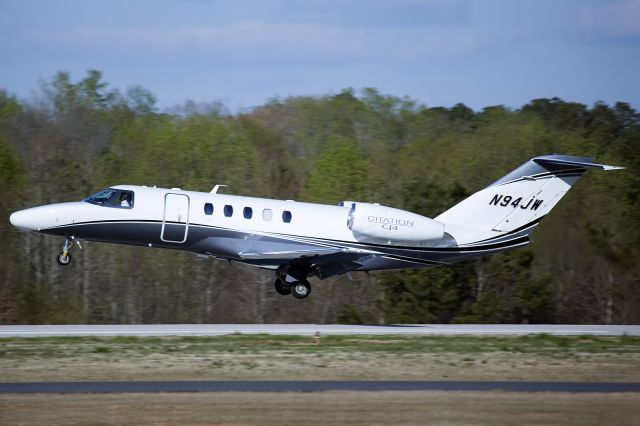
(383, 225)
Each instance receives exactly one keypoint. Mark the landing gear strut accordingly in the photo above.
(64, 258)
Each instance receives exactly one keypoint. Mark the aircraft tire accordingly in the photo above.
(64, 260)
(282, 287)
(301, 289)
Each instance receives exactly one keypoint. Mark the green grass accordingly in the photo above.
(540, 344)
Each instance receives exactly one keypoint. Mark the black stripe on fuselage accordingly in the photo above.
(382, 248)
(515, 231)
(516, 241)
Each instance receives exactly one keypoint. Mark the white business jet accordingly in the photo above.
(299, 240)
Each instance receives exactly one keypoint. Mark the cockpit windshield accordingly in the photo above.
(112, 198)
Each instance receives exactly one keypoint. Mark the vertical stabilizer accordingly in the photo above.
(514, 204)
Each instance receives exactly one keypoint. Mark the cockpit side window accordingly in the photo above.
(101, 197)
(125, 199)
(118, 198)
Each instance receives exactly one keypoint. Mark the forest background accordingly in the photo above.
(75, 138)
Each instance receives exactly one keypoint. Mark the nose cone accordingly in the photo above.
(36, 218)
(23, 219)
(47, 217)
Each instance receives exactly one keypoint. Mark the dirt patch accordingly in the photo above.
(325, 408)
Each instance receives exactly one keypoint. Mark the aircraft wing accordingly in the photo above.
(327, 261)
(304, 253)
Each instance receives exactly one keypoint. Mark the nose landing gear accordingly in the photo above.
(64, 258)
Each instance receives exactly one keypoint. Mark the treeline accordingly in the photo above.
(75, 138)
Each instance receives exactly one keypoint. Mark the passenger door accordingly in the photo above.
(175, 222)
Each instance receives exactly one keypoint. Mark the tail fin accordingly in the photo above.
(514, 204)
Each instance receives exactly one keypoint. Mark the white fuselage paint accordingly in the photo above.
(307, 219)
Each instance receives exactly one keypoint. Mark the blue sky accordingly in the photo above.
(244, 52)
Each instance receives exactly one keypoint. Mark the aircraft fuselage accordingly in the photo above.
(299, 240)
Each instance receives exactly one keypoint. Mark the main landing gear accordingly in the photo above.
(282, 287)
(299, 288)
(64, 258)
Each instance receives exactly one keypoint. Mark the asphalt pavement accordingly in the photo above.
(310, 386)
(311, 329)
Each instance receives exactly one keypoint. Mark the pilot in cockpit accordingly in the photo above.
(124, 200)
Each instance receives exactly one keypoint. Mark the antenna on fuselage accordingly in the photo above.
(215, 189)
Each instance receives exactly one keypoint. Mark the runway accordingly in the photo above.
(311, 329)
(311, 386)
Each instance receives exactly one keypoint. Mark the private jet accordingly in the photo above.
(298, 240)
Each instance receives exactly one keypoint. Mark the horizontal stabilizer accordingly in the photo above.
(577, 162)
(546, 165)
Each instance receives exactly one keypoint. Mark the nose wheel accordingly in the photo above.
(64, 258)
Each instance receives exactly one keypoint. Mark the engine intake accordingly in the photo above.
(385, 225)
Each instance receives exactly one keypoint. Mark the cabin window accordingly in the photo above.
(208, 209)
(286, 216)
(228, 210)
(119, 198)
(247, 212)
(267, 214)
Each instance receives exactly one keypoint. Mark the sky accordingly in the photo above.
(245, 52)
